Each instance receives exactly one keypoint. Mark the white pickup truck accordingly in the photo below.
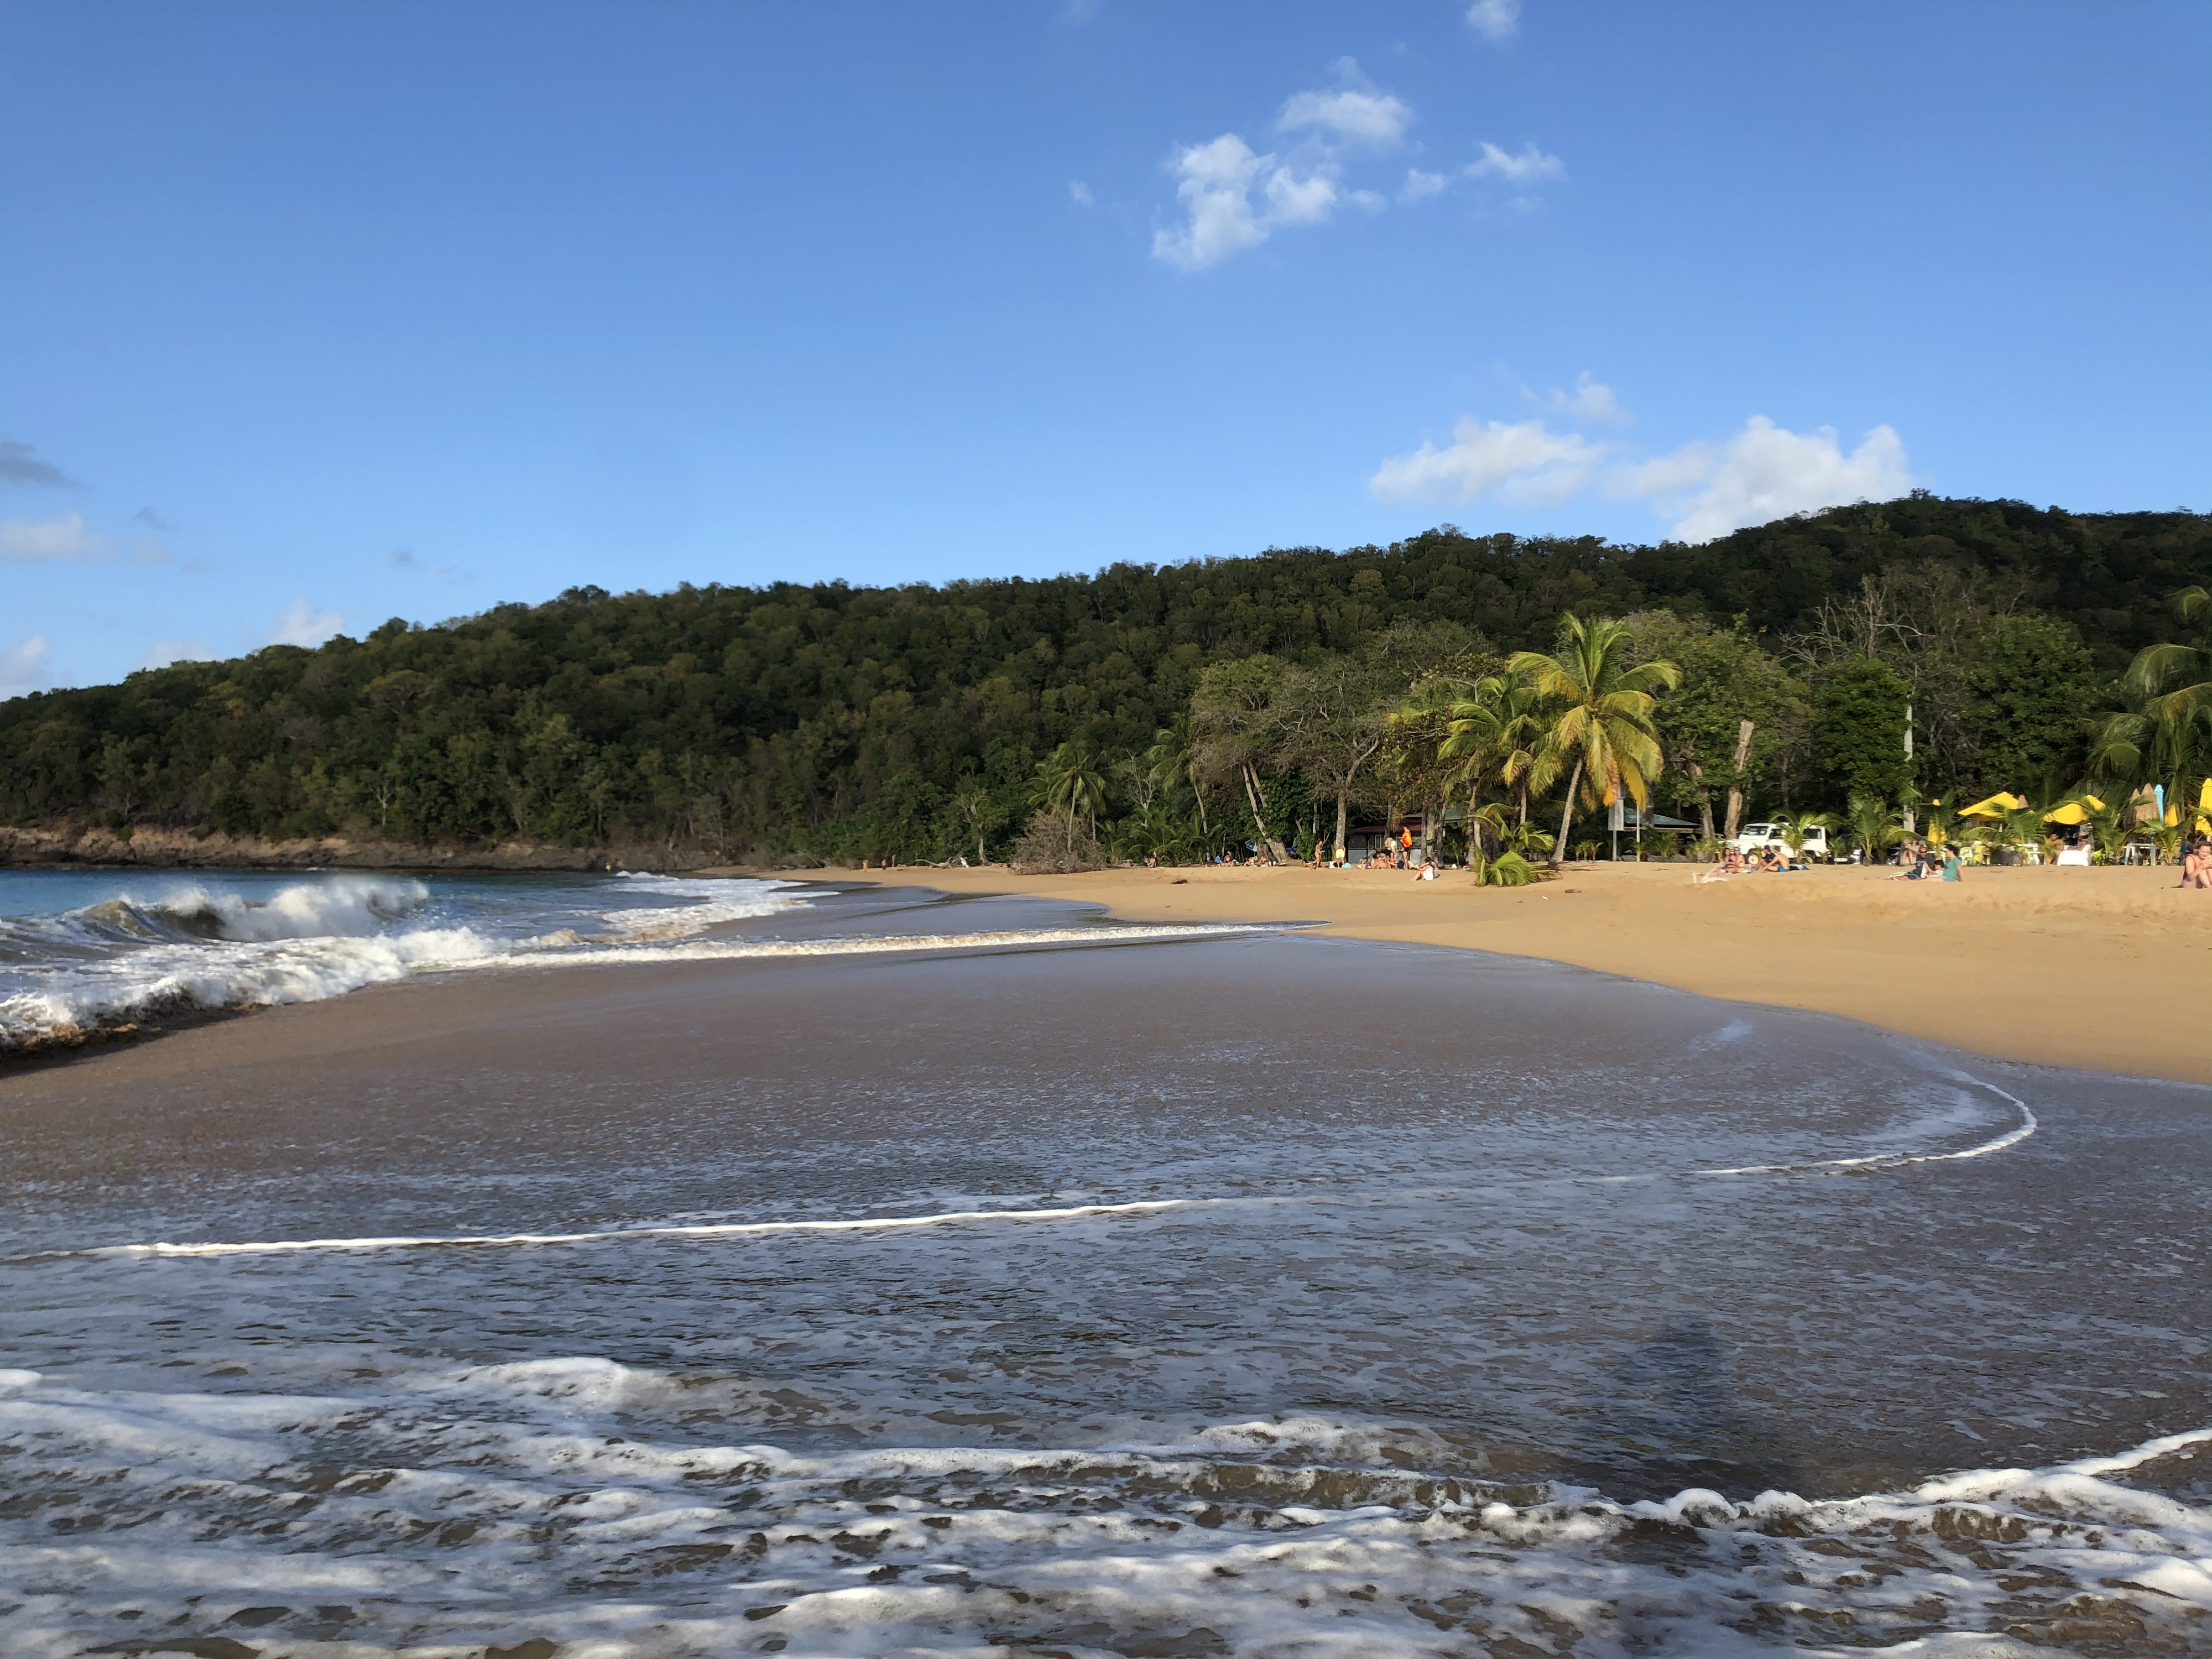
(1756, 836)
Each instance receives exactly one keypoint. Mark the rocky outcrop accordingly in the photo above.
(66, 844)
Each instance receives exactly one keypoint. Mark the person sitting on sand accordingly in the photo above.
(2197, 865)
(1951, 865)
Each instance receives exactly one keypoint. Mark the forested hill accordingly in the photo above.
(838, 721)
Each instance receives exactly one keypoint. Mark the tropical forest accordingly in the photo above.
(1857, 665)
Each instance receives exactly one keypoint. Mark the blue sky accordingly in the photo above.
(318, 315)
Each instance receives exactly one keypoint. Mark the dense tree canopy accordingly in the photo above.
(830, 721)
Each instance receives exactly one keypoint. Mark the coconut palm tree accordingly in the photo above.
(2166, 736)
(1875, 825)
(1604, 721)
(1795, 828)
(1498, 731)
(1173, 762)
(1073, 784)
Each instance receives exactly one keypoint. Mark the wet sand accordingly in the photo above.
(2099, 969)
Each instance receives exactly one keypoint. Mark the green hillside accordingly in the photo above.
(831, 721)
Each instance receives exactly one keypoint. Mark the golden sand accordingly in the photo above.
(2108, 970)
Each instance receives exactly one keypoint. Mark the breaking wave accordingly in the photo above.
(204, 947)
(557, 1501)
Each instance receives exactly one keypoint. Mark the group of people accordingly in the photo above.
(1760, 861)
(1924, 862)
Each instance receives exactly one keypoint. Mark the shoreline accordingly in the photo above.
(2099, 969)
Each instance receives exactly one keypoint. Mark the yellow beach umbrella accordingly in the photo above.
(1994, 807)
(2074, 812)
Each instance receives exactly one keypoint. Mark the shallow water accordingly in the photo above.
(1396, 1301)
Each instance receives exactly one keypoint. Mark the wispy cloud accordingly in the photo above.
(1591, 401)
(403, 558)
(65, 539)
(1419, 186)
(1078, 192)
(1702, 490)
(1350, 115)
(1530, 167)
(153, 521)
(1495, 20)
(27, 666)
(1526, 462)
(302, 623)
(60, 539)
(19, 465)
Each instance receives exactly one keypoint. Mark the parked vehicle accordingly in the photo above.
(1757, 836)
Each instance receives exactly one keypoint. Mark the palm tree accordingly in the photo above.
(1073, 783)
(1874, 825)
(1173, 762)
(1794, 829)
(1605, 721)
(2174, 681)
(1497, 730)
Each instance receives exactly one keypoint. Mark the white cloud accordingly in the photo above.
(1078, 192)
(62, 537)
(1527, 462)
(1591, 401)
(1494, 20)
(1419, 186)
(27, 666)
(1763, 473)
(1219, 181)
(1235, 197)
(1530, 166)
(1349, 116)
(163, 652)
(300, 623)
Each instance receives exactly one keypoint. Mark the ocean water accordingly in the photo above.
(84, 949)
(965, 1291)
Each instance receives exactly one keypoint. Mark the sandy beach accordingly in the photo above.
(2103, 970)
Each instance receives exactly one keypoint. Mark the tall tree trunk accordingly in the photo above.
(1736, 785)
(1567, 814)
(1343, 804)
(1704, 799)
(1910, 822)
(1252, 795)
